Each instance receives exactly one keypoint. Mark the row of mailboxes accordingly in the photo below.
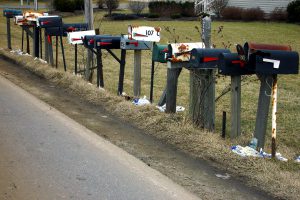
(10, 13)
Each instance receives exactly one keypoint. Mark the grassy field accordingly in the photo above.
(233, 33)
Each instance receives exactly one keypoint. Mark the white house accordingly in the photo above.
(266, 5)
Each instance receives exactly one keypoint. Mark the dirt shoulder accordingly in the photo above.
(167, 143)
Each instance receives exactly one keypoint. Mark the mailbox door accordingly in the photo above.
(89, 41)
(276, 62)
(107, 42)
(205, 58)
(10, 13)
(159, 53)
(49, 21)
(77, 37)
(231, 65)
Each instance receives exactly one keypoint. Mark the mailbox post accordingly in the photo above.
(9, 13)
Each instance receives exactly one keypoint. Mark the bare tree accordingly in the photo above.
(137, 7)
(217, 6)
(111, 5)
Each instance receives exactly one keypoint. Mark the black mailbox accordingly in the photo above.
(55, 31)
(10, 13)
(75, 27)
(107, 42)
(89, 41)
(205, 58)
(49, 21)
(271, 59)
(230, 64)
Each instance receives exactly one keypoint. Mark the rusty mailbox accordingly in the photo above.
(131, 44)
(49, 21)
(107, 42)
(230, 64)
(271, 59)
(181, 52)
(10, 13)
(205, 58)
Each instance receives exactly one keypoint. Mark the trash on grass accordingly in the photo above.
(163, 108)
(253, 143)
(297, 159)
(248, 152)
(224, 177)
(141, 101)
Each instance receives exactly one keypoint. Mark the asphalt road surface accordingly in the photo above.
(46, 155)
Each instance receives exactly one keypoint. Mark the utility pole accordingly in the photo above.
(21, 2)
(89, 18)
(36, 5)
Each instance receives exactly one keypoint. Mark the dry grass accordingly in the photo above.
(282, 179)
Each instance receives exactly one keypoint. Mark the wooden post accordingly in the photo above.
(50, 52)
(89, 18)
(27, 43)
(274, 114)
(41, 44)
(263, 109)
(8, 33)
(235, 106)
(202, 88)
(46, 44)
(137, 73)
(173, 72)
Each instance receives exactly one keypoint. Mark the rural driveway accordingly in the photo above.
(46, 155)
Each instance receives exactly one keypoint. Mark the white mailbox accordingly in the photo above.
(76, 37)
(181, 52)
(20, 20)
(144, 33)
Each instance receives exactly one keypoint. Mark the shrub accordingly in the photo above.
(137, 7)
(175, 16)
(218, 6)
(293, 10)
(100, 4)
(169, 8)
(232, 13)
(278, 14)
(64, 5)
(153, 15)
(111, 5)
(253, 14)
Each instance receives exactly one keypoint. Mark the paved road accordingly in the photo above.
(45, 155)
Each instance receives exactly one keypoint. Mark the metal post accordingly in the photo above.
(46, 44)
(62, 48)
(27, 45)
(56, 52)
(152, 81)
(274, 114)
(41, 44)
(137, 73)
(22, 38)
(36, 5)
(36, 40)
(235, 106)
(100, 81)
(8, 33)
(224, 125)
(263, 109)
(122, 71)
(76, 59)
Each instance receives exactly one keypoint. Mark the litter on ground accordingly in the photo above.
(163, 108)
(224, 177)
(250, 152)
(141, 101)
(297, 160)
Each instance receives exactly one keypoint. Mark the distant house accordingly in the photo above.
(266, 5)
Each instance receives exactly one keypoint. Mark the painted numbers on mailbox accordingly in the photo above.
(144, 33)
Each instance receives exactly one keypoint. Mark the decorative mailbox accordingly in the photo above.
(128, 44)
(159, 53)
(181, 52)
(77, 37)
(89, 41)
(49, 21)
(271, 59)
(20, 20)
(107, 42)
(10, 13)
(205, 58)
(75, 27)
(230, 64)
(32, 16)
(144, 33)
